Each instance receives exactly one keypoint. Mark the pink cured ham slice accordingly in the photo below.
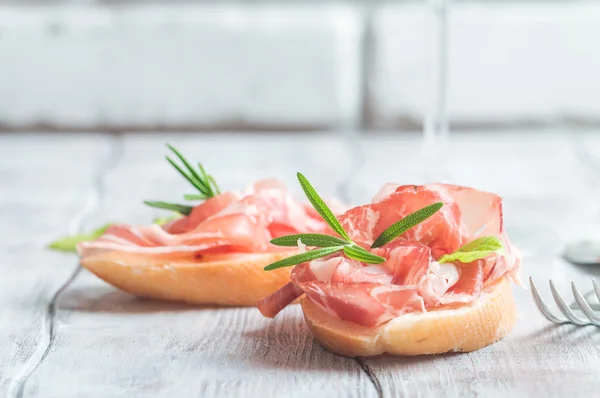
(508, 264)
(229, 223)
(203, 211)
(441, 232)
(408, 261)
(482, 215)
(469, 285)
(281, 298)
(367, 295)
(364, 303)
(481, 212)
(235, 232)
(410, 279)
(271, 200)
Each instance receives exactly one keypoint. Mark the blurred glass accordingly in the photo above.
(585, 248)
(436, 125)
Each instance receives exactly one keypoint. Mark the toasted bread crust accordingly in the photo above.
(239, 281)
(461, 329)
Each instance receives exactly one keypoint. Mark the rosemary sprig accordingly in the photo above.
(183, 209)
(360, 254)
(164, 220)
(321, 207)
(194, 196)
(304, 257)
(212, 181)
(475, 250)
(328, 244)
(309, 240)
(200, 179)
(69, 243)
(405, 224)
(200, 182)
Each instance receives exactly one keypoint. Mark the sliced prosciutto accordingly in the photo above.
(231, 222)
(411, 279)
(441, 232)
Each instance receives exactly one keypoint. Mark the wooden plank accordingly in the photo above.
(548, 195)
(112, 344)
(115, 345)
(45, 183)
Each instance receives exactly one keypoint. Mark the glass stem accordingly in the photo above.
(592, 163)
(436, 125)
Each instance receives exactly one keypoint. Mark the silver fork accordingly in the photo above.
(581, 305)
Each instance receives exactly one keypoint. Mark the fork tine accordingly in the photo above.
(584, 306)
(542, 306)
(566, 310)
(596, 288)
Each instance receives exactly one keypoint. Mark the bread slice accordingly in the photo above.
(231, 280)
(459, 329)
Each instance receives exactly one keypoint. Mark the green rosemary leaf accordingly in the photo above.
(205, 180)
(191, 179)
(69, 243)
(490, 243)
(475, 250)
(216, 188)
(202, 186)
(186, 210)
(164, 220)
(358, 253)
(406, 223)
(319, 240)
(321, 207)
(304, 257)
(194, 196)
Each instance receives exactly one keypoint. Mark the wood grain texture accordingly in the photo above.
(45, 183)
(114, 345)
(548, 200)
(108, 343)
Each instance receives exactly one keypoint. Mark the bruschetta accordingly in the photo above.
(443, 283)
(214, 255)
(212, 252)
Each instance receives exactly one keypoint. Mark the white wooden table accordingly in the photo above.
(64, 333)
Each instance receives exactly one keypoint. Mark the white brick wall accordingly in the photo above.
(181, 65)
(508, 62)
(267, 65)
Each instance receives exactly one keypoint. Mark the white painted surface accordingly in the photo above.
(508, 62)
(183, 65)
(108, 343)
(145, 64)
(44, 185)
